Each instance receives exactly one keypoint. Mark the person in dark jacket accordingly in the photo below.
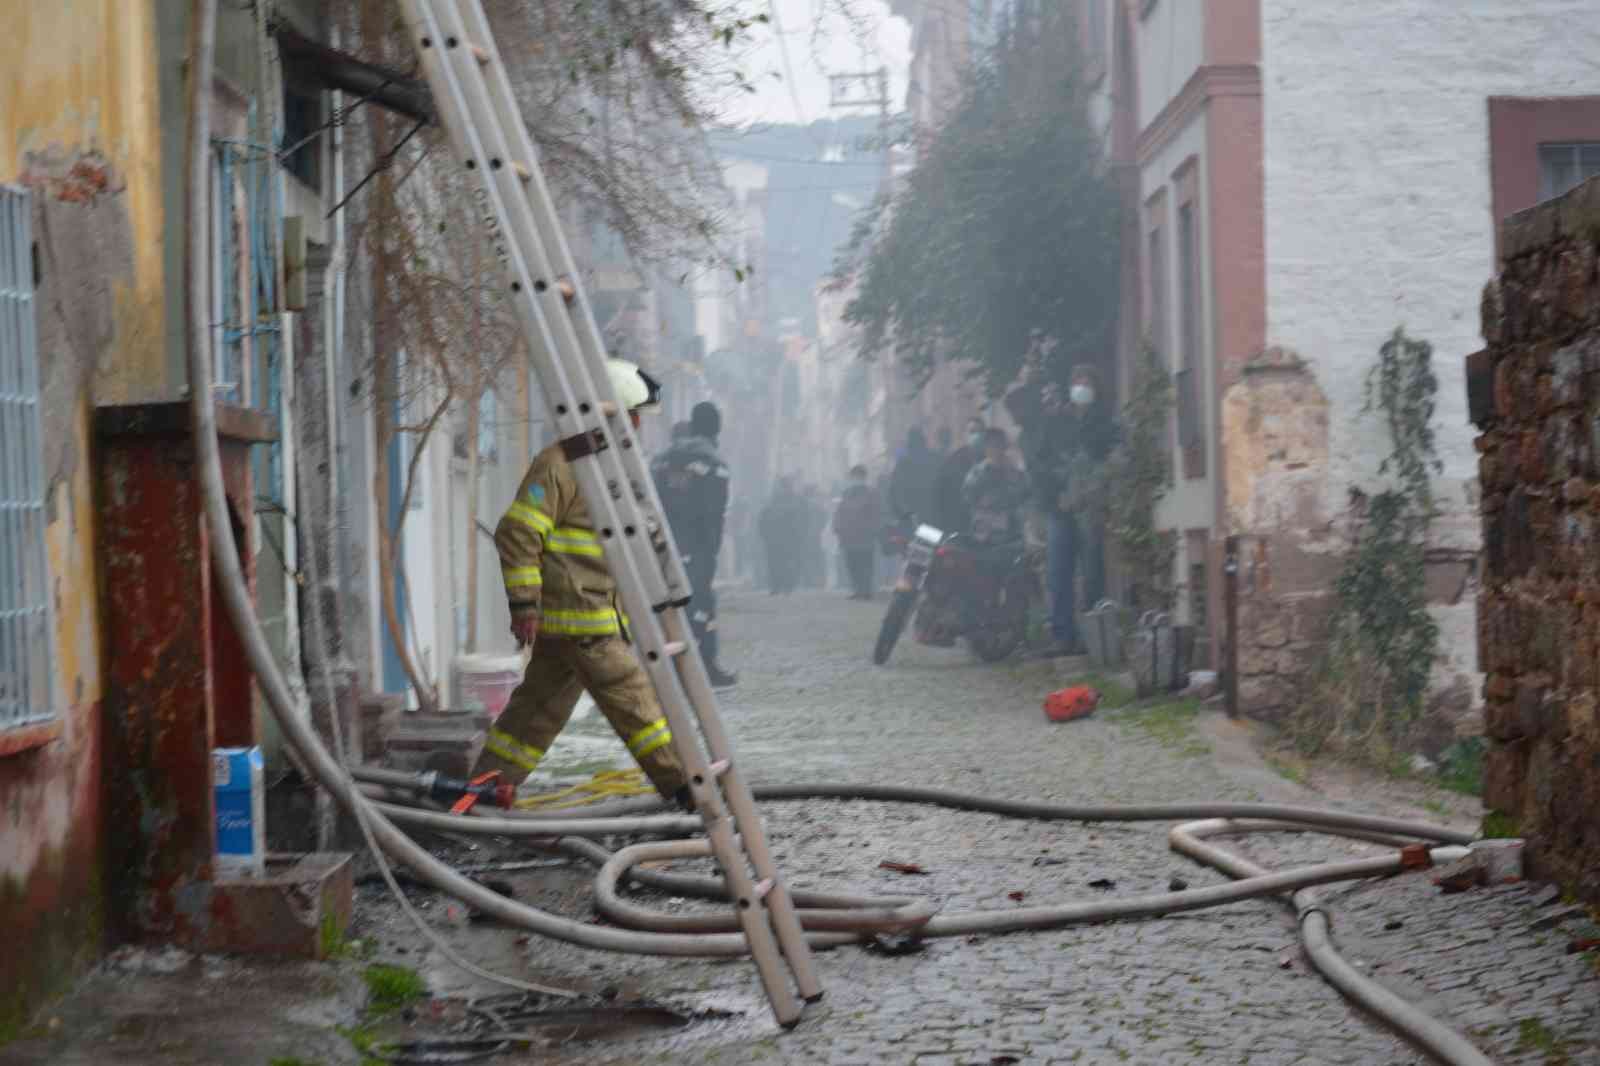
(856, 523)
(995, 492)
(692, 481)
(913, 488)
(813, 563)
(952, 514)
(779, 522)
(1066, 441)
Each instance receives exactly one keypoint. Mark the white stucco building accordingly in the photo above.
(1311, 176)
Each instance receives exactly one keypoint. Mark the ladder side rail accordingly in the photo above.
(567, 404)
(558, 389)
(692, 675)
(741, 803)
(501, 98)
(575, 392)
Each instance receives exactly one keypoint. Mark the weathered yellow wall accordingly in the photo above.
(79, 76)
(77, 80)
(80, 127)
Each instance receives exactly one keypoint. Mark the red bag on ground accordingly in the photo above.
(1063, 705)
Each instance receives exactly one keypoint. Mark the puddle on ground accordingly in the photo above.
(504, 1028)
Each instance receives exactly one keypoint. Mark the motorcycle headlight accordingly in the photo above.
(930, 536)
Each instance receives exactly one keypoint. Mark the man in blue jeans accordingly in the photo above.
(1066, 439)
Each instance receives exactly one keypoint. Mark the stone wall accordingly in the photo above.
(1535, 394)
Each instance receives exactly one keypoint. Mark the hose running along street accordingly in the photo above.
(834, 919)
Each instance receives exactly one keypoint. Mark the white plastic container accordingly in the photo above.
(240, 798)
(485, 682)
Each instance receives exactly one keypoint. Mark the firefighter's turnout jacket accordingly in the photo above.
(550, 558)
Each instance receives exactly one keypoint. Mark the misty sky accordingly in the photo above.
(820, 42)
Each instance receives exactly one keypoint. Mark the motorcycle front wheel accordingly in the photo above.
(894, 623)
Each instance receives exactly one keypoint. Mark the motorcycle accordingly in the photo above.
(957, 589)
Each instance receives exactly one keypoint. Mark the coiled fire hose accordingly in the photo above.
(851, 915)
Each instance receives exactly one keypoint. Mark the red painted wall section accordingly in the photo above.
(1238, 231)
(1236, 183)
(163, 638)
(1233, 32)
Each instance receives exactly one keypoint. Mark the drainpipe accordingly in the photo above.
(1230, 587)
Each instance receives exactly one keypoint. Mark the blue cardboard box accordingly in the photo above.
(240, 792)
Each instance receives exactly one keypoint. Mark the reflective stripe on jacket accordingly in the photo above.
(552, 563)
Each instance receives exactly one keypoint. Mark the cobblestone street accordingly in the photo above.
(1226, 985)
(1222, 985)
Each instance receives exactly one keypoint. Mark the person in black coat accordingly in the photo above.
(856, 522)
(692, 481)
(780, 524)
(952, 514)
(1065, 440)
(914, 485)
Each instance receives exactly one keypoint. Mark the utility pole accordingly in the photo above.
(861, 90)
(855, 92)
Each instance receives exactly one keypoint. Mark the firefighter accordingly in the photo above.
(692, 480)
(564, 607)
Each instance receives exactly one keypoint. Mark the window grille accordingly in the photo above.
(26, 696)
(247, 336)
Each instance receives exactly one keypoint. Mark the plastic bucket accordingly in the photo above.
(485, 682)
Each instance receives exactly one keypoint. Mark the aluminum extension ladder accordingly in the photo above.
(475, 102)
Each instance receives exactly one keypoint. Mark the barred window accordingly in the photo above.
(25, 660)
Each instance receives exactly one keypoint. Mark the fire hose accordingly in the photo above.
(834, 918)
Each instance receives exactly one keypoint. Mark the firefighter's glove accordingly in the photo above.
(525, 629)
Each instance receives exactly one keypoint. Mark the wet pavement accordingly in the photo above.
(1227, 985)
(1223, 985)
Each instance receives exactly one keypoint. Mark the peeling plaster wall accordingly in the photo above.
(1378, 213)
(79, 127)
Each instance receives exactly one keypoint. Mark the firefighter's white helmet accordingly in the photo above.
(636, 390)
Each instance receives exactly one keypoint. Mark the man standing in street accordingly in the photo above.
(913, 487)
(952, 515)
(856, 523)
(995, 492)
(1067, 445)
(564, 607)
(780, 522)
(692, 481)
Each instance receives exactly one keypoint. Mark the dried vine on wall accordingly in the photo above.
(1383, 641)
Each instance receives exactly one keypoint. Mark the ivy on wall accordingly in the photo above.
(1371, 686)
(1141, 471)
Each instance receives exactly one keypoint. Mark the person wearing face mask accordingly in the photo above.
(953, 514)
(1067, 439)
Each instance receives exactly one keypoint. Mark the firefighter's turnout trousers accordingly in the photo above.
(560, 670)
(555, 572)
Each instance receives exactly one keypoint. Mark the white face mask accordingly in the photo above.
(1082, 395)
